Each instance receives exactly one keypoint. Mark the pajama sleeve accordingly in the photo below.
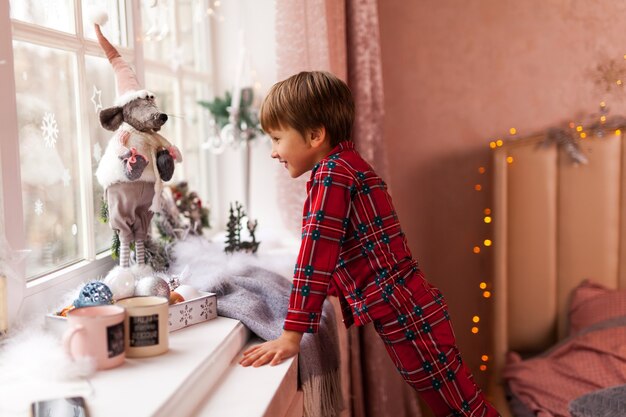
(325, 220)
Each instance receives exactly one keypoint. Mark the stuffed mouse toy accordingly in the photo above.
(137, 159)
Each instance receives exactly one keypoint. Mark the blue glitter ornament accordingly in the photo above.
(94, 293)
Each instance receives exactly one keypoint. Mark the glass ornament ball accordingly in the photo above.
(121, 282)
(93, 294)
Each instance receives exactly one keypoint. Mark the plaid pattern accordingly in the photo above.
(353, 246)
(352, 242)
(421, 343)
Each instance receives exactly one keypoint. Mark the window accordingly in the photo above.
(62, 80)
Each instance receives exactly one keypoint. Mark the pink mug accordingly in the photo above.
(96, 332)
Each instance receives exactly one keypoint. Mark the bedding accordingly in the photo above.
(593, 303)
(592, 359)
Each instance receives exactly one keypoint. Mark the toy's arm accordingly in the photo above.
(159, 142)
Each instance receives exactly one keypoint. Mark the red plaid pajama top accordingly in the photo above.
(352, 246)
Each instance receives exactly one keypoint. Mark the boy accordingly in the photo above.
(352, 246)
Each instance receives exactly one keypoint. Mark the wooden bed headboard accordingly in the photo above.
(555, 224)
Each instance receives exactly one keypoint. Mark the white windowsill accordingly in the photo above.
(198, 376)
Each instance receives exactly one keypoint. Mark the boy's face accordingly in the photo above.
(298, 153)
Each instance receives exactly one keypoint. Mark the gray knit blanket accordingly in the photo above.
(259, 299)
(608, 402)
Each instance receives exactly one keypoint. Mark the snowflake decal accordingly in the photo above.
(66, 177)
(39, 207)
(50, 130)
(97, 152)
(185, 315)
(207, 308)
(96, 99)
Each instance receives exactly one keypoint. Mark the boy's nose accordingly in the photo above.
(274, 154)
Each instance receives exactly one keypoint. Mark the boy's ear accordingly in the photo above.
(111, 118)
(318, 136)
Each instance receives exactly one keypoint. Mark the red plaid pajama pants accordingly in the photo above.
(421, 343)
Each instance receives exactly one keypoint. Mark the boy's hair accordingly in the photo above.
(309, 100)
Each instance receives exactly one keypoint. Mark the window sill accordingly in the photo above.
(198, 376)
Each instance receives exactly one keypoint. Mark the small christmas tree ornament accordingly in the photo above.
(233, 231)
(152, 286)
(94, 293)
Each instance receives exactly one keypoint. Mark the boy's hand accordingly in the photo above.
(274, 351)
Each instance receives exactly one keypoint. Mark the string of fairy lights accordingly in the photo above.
(598, 125)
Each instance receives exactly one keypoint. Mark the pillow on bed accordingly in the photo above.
(587, 361)
(592, 303)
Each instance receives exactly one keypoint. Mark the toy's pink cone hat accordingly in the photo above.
(128, 87)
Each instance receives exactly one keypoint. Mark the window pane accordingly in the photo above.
(111, 29)
(157, 30)
(195, 168)
(193, 19)
(46, 105)
(101, 92)
(55, 14)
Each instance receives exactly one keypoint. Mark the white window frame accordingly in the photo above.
(42, 291)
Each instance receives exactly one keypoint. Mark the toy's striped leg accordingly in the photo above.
(140, 252)
(124, 254)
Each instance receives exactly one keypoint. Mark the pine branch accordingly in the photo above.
(104, 211)
(115, 247)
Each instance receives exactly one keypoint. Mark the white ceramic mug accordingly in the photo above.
(97, 332)
(147, 326)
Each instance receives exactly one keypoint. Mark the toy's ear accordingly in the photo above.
(111, 118)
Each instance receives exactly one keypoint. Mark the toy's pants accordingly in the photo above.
(129, 215)
(421, 343)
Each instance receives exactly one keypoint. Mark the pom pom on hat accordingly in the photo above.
(99, 17)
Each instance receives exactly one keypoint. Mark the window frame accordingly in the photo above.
(92, 264)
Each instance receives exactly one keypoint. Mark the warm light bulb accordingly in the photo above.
(618, 82)
(478, 187)
(481, 170)
(572, 125)
(509, 159)
(474, 329)
(579, 128)
(492, 145)
(512, 131)
(618, 132)
(476, 249)
(487, 242)
(483, 285)
(483, 367)
(475, 319)
(484, 358)
(487, 219)
(602, 103)
(486, 294)
(603, 119)
(487, 211)
(499, 142)
(583, 135)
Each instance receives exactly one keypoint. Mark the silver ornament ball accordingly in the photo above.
(152, 286)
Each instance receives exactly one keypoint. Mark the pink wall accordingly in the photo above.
(458, 74)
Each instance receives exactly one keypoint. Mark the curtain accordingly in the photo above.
(342, 37)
